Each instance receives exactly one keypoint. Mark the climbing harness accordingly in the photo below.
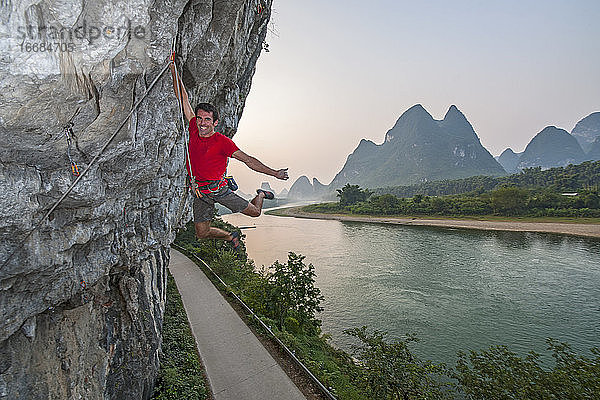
(68, 129)
(210, 187)
(86, 170)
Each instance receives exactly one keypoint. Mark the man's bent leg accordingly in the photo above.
(203, 213)
(205, 231)
(255, 206)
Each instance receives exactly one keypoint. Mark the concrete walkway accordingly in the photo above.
(237, 364)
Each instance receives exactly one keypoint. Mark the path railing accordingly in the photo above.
(289, 352)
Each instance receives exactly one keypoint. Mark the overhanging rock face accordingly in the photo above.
(82, 297)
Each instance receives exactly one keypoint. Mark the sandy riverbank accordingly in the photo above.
(588, 230)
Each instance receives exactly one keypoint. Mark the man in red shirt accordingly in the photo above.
(209, 152)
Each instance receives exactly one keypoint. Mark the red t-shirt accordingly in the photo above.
(209, 155)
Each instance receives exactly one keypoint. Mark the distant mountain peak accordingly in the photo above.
(303, 189)
(414, 119)
(551, 147)
(366, 142)
(419, 147)
(509, 160)
(266, 186)
(587, 130)
(551, 129)
(455, 116)
(456, 124)
(454, 112)
(416, 110)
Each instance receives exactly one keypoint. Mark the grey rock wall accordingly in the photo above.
(82, 297)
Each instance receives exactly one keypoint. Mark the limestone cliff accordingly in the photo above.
(82, 297)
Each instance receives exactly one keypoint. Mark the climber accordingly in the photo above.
(208, 155)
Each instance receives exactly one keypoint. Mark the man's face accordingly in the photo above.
(206, 125)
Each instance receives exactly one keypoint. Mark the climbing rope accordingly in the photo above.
(192, 179)
(85, 171)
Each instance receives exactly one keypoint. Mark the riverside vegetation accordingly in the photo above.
(570, 192)
(284, 296)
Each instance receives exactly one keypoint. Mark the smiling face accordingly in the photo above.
(206, 125)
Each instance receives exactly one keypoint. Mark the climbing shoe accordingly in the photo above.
(235, 241)
(268, 195)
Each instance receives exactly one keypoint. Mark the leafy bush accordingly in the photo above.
(391, 371)
(498, 373)
(505, 200)
(509, 200)
(572, 178)
(293, 292)
(352, 194)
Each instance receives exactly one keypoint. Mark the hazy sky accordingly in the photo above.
(339, 71)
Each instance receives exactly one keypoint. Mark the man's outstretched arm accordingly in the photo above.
(179, 90)
(256, 165)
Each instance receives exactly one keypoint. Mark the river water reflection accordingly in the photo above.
(456, 289)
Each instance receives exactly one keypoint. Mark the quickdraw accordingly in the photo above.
(125, 218)
(68, 129)
(84, 296)
(195, 188)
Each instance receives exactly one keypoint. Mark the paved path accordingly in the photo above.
(237, 364)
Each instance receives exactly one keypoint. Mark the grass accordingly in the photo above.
(181, 375)
(334, 368)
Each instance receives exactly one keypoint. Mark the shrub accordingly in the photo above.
(498, 373)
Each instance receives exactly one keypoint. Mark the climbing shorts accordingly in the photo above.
(204, 206)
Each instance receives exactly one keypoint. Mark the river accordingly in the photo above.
(455, 289)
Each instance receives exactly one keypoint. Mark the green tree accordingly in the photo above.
(352, 194)
(501, 374)
(591, 199)
(293, 293)
(545, 199)
(391, 371)
(439, 205)
(385, 204)
(509, 200)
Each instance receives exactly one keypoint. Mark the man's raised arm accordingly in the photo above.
(258, 166)
(180, 92)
